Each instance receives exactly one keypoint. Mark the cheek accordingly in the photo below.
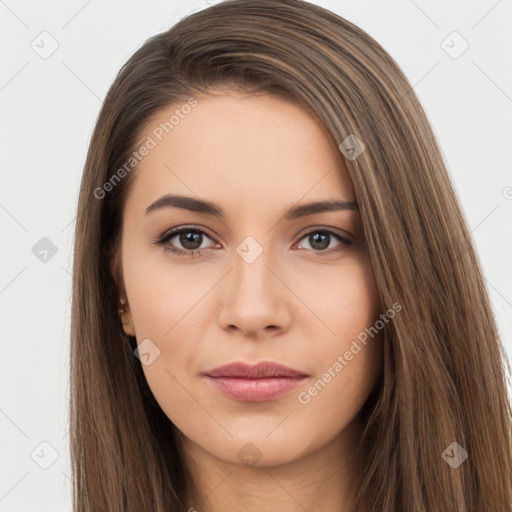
(332, 401)
(348, 302)
(167, 308)
(349, 356)
(162, 295)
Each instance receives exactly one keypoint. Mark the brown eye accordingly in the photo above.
(190, 239)
(184, 241)
(320, 239)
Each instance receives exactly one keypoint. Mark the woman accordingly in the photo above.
(276, 300)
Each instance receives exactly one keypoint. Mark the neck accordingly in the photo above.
(321, 480)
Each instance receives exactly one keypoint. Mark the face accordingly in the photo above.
(251, 282)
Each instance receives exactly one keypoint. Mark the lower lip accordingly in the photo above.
(255, 390)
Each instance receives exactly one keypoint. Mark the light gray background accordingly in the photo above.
(48, 109)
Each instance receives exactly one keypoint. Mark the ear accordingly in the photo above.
(122, 301)
(127, 322)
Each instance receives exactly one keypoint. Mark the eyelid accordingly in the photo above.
(320, 227)
(191, 227)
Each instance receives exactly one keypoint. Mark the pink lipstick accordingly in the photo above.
(255, 382)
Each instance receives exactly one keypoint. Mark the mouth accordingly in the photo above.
(255, 383)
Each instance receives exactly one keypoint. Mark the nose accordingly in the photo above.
(254, 301)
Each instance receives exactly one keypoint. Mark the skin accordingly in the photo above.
(256, 156)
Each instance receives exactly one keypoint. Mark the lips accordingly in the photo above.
(261, 370)
(254, 383)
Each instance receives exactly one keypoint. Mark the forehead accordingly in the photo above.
(239, 146)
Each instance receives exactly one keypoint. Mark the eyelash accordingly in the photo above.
(166, 237)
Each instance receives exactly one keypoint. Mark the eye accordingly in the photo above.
(320, 239)
(190, 239)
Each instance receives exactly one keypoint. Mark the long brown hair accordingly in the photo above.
(443, 378)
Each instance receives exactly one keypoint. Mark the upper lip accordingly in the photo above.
(254, 371)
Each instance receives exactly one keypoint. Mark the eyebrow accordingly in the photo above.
(210, 208)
